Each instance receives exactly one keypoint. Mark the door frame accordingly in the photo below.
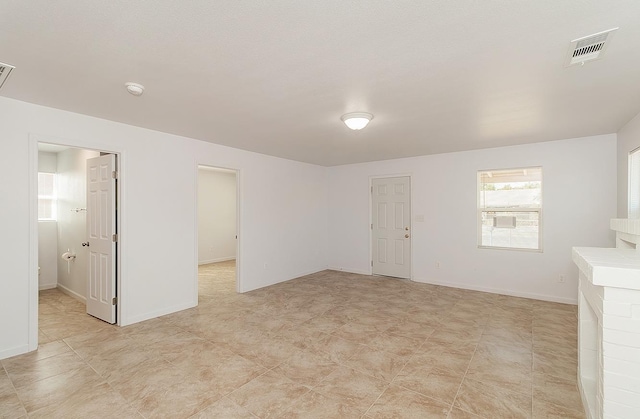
(33, 289)
(238, 172)
(371, 178)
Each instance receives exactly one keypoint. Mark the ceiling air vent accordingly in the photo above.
(5, 70)
(589, 48)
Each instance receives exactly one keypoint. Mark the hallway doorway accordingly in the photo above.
(217, 232)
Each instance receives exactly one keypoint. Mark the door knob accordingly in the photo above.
(85, 244)
(406, 236)
(406, 228)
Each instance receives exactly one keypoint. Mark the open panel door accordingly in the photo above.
(101, 231)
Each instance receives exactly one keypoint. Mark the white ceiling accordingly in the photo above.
(275, 76)
(51, 148)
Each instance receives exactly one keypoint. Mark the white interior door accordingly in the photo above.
(391, 227)
(101, 230)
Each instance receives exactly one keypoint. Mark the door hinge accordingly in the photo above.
(114, 301)
(371, 226)
(372, 190)
(114, 238)
(371, 263)
(114, 174)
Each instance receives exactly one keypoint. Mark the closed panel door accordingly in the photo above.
(101, 230)
(391, 227)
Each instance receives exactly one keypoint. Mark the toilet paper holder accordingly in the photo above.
(69, 257)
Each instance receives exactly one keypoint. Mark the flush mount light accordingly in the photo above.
(135, 88)
(356, 120)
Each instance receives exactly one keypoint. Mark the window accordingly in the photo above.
(634, 184)
(47, 203)
(510, 208)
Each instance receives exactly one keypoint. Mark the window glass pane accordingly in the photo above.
(47, 204)
(498, 230)
(518, 188)
(634, 185)
(46, 209)
(509, 208)
(46, 184)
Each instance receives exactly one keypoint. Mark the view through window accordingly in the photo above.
(47, 204)
(510, 208)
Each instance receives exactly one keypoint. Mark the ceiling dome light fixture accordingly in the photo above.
(356, 120)
(135, 88)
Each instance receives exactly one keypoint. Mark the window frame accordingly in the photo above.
(481, 209)
(633, 184)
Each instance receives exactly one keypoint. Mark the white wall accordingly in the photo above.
(47, 233)
(216, 216)
(628, 140)
(282, 215)
(579, 198)
(47, 162)
(47, 254)
(72, 225)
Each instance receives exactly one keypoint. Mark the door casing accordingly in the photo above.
(239, 288)
(34, 139)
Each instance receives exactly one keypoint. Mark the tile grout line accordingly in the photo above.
(15, 391)
(465, 372)
(533, 357)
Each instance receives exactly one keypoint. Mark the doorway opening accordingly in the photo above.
(217, 233)
(76, 221)
(391, 226)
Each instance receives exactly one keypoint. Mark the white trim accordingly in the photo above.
(71, 293)
(530, 295)
(43, 287)
(18, 350)
(153, 314)
(208, 261)
(295, 276)
(371, 178)
(32, 297)
(348, 270)
(33, 140)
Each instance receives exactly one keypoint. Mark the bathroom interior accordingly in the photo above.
(62, 260)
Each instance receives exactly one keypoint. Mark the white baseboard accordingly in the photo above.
(158, 313)
(349, 270)
(18, 350)
(47, 286)
(534, 296)
(208, 261)
(511, 293)
(71, 293)
(313, 271)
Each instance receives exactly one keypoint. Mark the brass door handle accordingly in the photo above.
(406, 236)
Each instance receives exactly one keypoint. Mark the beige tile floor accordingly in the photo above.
(331, 344)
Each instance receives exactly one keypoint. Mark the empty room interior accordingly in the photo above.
(329, 209)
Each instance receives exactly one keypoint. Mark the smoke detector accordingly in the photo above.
(589, 48)
(134, 88)
(5, 70)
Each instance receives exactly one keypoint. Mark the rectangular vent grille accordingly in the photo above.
(589, 48)
(5, 70)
